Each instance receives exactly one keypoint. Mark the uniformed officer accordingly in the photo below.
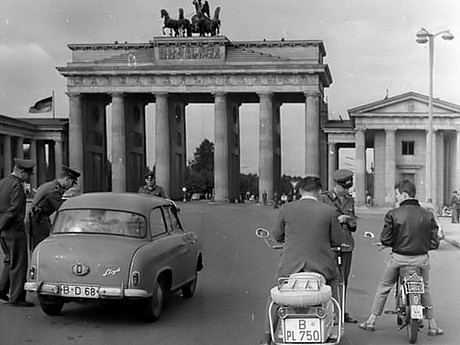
(343, 202)
(47, 200)
(12, 233)
(150, 187)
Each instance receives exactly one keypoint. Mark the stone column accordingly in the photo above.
(58, 157)
(76, 157)
(19, 147)
(360, 166)
(33, 156)
(118, 143)
(312, 125)
(434, 176)
(390, 165)
(266, 145)
(456, 182)
(7, 167)
(331, 164)
(162, 143)
(41, 163)
(221, 148)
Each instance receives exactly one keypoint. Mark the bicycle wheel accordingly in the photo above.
(412, 327)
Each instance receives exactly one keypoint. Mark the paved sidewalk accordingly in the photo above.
(451, 231)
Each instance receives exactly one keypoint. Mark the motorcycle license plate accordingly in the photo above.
(306, 330)
(84, 291)
(416, 312)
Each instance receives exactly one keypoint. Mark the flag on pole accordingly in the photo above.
(44, 105)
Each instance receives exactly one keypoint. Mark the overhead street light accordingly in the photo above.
(425, 36)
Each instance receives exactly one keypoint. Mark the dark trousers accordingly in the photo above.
(345, 270)
(455, 214)
(16, 269)
(5, 275)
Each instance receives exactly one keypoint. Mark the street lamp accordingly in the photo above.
(424, 36)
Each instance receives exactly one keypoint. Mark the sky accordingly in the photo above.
(370, 48)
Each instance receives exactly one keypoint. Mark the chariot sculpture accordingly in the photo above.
(200, 23)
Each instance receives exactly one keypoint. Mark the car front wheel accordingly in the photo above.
(49, 305)
(151, 307)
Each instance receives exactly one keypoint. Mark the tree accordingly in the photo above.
(200, 170)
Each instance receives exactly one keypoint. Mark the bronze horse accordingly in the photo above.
(201, 23)
(171, 24)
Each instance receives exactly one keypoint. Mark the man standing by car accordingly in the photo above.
(308, 229)
(150, 187)
(411, 231)
(46, 201)
(343, 202)
(12, 232)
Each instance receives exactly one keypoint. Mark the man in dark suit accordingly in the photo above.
(308, 229)
(150, 187)
(344, 204)
(12, 233)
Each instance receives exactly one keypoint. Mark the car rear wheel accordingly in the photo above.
(50, 306)
(151, 307)
(189, 289)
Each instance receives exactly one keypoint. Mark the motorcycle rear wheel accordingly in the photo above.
(412, 327)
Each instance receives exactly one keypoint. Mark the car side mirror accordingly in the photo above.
(262, 233)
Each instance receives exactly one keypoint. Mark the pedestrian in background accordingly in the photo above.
(12, 233)
(455, 206)
(46, 201)
(344, 204)
(150, 187)
(264, 198)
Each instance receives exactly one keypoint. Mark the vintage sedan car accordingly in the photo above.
(115, 246)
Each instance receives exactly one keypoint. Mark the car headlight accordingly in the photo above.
(32, 272)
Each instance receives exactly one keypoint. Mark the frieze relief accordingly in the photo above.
(194, 80)
(189, 52)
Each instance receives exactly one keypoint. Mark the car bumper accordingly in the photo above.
(104, 291)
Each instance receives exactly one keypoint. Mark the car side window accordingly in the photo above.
(172, 220)
(157, 223)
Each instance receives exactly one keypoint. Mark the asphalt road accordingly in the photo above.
(229, 304)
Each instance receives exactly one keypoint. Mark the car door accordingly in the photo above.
(185, 260)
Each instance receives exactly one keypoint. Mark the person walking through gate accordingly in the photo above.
(12, 233)
(150, 187)
(308, 229)
(411, 231)
(46, 201)
(455, 206)
(344, 204)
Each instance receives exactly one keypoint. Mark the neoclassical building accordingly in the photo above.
(44, 140)
(396, 129)
(174, 72)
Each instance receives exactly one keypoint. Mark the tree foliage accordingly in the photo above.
(200, 170)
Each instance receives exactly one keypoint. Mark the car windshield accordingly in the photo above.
(97, 221)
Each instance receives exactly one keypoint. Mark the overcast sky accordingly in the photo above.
(370, 47)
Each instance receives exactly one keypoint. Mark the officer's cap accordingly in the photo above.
(73, 174)
(149, 173)
(25, 164)
(343, 177)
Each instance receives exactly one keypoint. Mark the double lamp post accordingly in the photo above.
(423, 37)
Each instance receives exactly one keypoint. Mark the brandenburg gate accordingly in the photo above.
(174, 72)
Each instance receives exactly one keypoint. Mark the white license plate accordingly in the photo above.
(83, 291)
(416, 312)
(302, 330)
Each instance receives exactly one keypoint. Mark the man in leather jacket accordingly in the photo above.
(411, 231)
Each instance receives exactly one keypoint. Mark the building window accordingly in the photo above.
(407, 148)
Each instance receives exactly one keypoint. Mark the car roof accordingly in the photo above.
(130, 202)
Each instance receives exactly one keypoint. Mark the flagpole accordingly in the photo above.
(52, 104)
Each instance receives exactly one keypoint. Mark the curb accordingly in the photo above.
(452, 242)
